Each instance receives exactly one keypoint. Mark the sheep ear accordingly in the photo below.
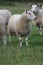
(39, 5)
(26, 11)
(30, 5)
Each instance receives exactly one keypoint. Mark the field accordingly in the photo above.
(12, 54)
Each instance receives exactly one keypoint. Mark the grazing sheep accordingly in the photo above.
(39, 21)
(4, 17)
(20, 25)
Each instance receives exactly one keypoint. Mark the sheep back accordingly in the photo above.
(6, 14)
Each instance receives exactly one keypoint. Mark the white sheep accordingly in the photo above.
(4, 17)
(39, 21)
(20, 25)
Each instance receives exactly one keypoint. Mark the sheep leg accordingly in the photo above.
(4, 34)
(4, 37)
(20, 40)
(10, 38)
(26, 39)
(40, 31)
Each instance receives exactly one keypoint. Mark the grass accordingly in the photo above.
(6, 3)
(12, 54)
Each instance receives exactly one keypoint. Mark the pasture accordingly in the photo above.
(12, 54)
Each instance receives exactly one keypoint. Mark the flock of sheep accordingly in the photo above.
(20, 24)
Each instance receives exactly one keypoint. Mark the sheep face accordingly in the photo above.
(30, 15)
(34, 9)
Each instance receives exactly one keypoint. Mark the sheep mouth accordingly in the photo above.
(28, 20)
(35, 19)
(35, 13)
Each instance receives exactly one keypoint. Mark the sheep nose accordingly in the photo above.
(34, 12)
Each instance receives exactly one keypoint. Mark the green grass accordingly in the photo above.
(12, 54)
(6, 3)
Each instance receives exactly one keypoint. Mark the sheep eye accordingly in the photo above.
(28, 13)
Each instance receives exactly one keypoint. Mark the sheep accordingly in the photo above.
(4, 17)
(19, 25)
(39, 21)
